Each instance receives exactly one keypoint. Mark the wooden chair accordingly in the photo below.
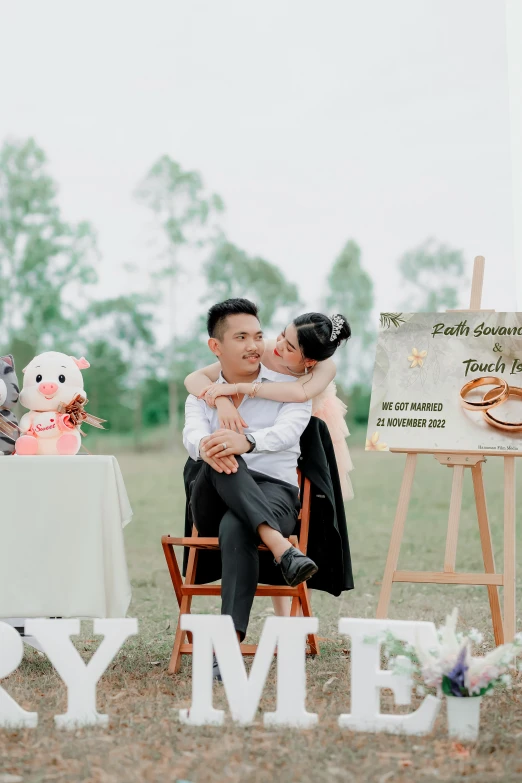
(185, 590)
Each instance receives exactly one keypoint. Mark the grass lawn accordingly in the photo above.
(145, 741)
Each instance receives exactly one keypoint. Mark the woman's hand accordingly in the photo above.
(215, 390)
(229, 416)
(209, 394)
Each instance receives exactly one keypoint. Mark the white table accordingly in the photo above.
(61, 537)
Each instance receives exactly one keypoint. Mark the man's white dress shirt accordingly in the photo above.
(276, 427)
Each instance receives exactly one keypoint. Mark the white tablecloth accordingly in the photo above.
(61, 537)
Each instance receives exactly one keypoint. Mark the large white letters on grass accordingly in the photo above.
(243, 692)
(80, 678)
(368, 678)
(11, 653)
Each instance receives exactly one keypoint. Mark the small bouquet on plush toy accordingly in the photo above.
(53, 391)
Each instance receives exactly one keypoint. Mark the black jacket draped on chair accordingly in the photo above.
(328, 542)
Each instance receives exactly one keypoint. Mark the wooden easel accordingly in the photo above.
(459, 461)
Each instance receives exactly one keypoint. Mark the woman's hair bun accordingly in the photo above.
(314, 334)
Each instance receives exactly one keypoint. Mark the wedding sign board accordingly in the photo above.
(447, 382)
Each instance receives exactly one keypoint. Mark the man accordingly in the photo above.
(247, 489)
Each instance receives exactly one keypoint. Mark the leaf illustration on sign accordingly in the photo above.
(387, 319)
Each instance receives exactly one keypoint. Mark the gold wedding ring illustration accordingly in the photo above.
(492, 399)
(498, 395)
(506, 426)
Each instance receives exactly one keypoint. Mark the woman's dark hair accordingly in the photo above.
(314, 332)
(217, 315)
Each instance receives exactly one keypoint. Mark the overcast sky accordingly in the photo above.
(316, 121)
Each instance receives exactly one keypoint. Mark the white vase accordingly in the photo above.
(463, 717)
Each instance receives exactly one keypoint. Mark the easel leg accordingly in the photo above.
(487, 550)
(453, 519)
(397, 534)
(509, 549)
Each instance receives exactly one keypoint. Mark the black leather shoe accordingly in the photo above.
(296, 567)
(216, 674)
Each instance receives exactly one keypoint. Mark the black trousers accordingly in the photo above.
(233, 506)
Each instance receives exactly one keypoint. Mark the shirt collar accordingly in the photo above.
(264, 375)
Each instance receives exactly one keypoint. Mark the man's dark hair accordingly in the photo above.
(218, 313)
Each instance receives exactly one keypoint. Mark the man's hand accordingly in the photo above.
(234, 444)
(224, 464)
(229, 416)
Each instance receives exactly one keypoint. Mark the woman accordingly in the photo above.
(302, 350)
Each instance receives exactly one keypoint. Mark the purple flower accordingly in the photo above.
(457, 675)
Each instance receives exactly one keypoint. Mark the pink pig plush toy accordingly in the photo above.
(50, 379)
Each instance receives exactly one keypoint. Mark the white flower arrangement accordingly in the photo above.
(450, 668)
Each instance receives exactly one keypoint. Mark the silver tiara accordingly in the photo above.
(337, 324)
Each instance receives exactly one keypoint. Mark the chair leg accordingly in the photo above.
(179, 638)
(184, 608)
(296, 604)
(172, 564)
(306, 606)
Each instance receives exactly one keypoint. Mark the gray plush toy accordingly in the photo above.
(9, 393)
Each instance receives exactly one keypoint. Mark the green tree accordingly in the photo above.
(155, 402)
(46, 266)
(107, 387)
(187, 215)
(44, 260)
(129, 323)
(350, 292)
(230, 272)
(432, 277)
(191, 351)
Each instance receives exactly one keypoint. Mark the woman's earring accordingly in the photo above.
(306, 370)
